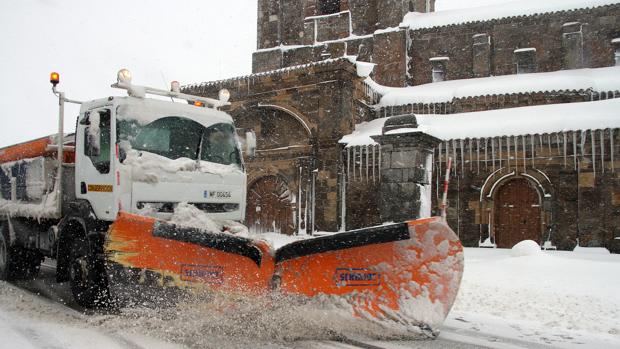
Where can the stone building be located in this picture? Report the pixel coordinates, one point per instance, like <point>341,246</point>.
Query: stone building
<point>340,149</point>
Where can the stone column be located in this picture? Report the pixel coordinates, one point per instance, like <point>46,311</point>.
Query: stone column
<point>406,170</point>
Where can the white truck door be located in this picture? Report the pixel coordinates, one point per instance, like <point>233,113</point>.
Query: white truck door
<point>94,173</point>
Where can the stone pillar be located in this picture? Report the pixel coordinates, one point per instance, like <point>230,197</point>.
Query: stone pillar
<point>406,170</point>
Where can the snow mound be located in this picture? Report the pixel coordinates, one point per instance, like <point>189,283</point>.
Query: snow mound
<point>525,248</point>
<point>591,250</point>
<point>189,216</point>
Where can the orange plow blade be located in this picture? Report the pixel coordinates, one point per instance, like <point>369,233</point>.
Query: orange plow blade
<point>406,273</point>
<point>145,254</point>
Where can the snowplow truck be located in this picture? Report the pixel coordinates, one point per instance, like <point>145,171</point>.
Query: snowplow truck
<point>100,201</point>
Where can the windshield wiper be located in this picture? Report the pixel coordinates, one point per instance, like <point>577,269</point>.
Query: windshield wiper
<point>199,150</point>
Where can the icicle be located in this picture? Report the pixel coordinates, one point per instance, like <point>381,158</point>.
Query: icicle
<point>367,163</point>
<point>499,150</point>
<point>549,142</point>
<point>354,160</point>
<point>374,164</point>
<point>486,155</point>
<point>493,152</point>
<point>542,145</point>
<point>456,159</point>
<point>447,154</point>
<point>348,162</point>
<point>584,138</point>
<point>478,155</point>
<point>523,140</point>
<point>602,133</point>
<point>593,136</point>
<point>516,153</point>
<point>471,158</point>
<point>380,161</point>
<point>611,141</point>
<point>575,149</point>
<point>564,147</point>
<point>361,164</point>
<point>508,142</point>
<point>557,142</point>
<point>462,157</point>
<point>439,150</point>
<point>533,138</point>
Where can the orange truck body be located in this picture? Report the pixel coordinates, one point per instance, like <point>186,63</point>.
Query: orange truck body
<point>33,149</point>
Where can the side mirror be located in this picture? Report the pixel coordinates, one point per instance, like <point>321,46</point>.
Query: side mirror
<point>250,143</point>
<point>93,134</point>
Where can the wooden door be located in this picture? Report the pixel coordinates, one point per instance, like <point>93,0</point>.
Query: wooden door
<point>517,214</point>
<point>269,207</point>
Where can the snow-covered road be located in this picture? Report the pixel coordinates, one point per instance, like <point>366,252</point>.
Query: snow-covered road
<point>554,299</point>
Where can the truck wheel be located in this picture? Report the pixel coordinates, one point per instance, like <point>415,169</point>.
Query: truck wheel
<point>87,276</point>
<point>5,268</point>
<point>25,263</point>
<point>16,262</point>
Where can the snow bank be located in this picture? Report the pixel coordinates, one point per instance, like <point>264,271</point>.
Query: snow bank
<point>591,250</point>
<point>558,298</point>
<point>525,248</point>
<point>415,20</point>
<point>598,79</point>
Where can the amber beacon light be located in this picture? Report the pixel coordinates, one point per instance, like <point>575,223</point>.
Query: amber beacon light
<point>54,78</point>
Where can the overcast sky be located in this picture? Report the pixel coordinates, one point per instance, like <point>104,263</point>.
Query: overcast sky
<point>88,41</point>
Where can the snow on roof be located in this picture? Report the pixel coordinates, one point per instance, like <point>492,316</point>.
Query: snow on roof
<point>503,122</point>
<point>415,20</point>
<point>598,79</point>
<point>350,59</point>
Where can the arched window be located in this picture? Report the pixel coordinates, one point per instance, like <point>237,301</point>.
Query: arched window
<point>327,7</point>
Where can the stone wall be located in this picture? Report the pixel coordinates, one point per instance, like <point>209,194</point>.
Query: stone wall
<point>349,32</point>
<point>563,40</point>
<point>579,192</point>
<point>299,115</point>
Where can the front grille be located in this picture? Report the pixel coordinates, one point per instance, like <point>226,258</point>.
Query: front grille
<point>168,207</point>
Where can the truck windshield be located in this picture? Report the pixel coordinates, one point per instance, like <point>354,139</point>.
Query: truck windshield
<point>176,137</point>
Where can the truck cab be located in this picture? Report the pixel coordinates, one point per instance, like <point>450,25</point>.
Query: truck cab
<point>144,155</point>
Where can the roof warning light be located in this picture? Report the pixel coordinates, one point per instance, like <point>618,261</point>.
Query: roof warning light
<point>54,78</point>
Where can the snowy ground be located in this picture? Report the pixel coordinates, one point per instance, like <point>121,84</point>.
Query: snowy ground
<point>555,298</point>
<point>551,299</point>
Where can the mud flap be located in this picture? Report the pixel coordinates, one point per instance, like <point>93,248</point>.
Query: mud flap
<point>407,273</point>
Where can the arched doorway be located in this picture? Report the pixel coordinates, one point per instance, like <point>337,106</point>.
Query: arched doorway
<point>517,213</point>
<point>269,207</point>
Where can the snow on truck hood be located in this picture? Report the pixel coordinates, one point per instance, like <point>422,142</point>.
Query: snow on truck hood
<point>145,111</point>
